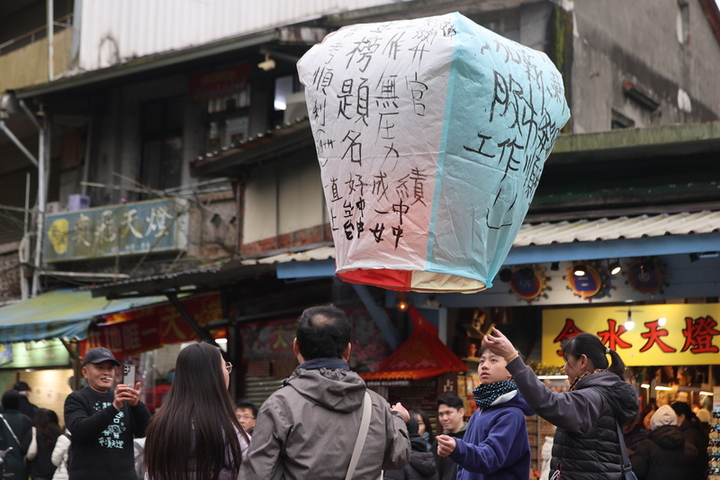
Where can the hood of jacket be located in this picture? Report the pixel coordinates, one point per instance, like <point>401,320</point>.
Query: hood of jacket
<point>618,393</point>
<point>418,443</point>
<point>423,462</point>
<point>516,401</point>
<point>668,436</point>
<point>338,390</point>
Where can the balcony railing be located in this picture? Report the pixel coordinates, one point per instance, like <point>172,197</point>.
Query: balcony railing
<point>34,35</point>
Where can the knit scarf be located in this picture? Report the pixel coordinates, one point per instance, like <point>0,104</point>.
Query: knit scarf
<point>485,395</point>
<point>577,379</point>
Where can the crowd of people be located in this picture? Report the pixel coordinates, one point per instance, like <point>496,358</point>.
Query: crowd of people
<point>323,423</point>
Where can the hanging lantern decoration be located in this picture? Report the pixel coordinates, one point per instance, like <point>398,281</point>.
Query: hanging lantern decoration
<point>647,275</point>
<point>529,283</point>
<point>431,136</point>
<point>589,283</point>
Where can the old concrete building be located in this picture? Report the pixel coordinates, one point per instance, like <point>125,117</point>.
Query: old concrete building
<point>198,111</point>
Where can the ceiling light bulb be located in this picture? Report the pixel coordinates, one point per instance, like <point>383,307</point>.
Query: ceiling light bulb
<point>579,270</point>
<point>615,268</point>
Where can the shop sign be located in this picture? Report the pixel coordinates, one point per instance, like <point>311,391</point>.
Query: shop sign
<point>47,353</point>
<point>129,229</point>
<point>685,334</point>
<point>136,331</point>
<point>5,353</point>
<point>220,83</point>
<point>268,340</point>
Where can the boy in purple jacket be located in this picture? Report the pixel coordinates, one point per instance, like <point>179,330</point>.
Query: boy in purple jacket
<point>495,446</point>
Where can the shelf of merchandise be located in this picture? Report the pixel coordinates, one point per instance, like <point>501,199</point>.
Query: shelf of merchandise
<point>714,443</point>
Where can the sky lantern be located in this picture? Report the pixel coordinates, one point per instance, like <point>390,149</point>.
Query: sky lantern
<point>431,135</point>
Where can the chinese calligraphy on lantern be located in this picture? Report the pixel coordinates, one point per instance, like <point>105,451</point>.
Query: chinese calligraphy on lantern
<point>431,135</point>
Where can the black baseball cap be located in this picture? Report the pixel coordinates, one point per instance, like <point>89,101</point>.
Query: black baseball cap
<point>22,387</point>
<point>99,355</point>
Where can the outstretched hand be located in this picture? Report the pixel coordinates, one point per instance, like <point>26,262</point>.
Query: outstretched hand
<point>446,445</point>
<point>500,345</point>
<point>401,410</point>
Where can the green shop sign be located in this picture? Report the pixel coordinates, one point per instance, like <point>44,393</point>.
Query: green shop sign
<point>129,229</point>
<point>48,353</point>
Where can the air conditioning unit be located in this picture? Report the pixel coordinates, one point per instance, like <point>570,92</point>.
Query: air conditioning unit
<point>53,207</point>
<point>296,108</point>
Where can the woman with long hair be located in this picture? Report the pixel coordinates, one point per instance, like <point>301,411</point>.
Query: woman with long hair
<point>586,443</point>
<point>424,426</point>
<point>195,434</point>
<point>46,434</point>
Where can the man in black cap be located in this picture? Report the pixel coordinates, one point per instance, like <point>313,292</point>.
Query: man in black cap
<point>103,421</point>
<point>26,408</point>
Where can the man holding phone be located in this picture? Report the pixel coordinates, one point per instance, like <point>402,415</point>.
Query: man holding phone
<point>103,421</point>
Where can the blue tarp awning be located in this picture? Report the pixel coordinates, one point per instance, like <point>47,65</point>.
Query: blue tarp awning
<point>62,313</point>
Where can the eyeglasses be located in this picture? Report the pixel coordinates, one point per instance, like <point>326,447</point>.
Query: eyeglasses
<point>228,367</point>
<point>245,416</point>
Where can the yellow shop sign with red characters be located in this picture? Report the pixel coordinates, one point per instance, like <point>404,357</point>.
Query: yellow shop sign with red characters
<point>680,334</point>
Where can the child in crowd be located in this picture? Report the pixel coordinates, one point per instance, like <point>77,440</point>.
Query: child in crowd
<point>495,445</point>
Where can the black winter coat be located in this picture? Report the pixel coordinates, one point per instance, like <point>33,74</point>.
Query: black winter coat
<point>421,466</point>
<point>695,436</point>
<point>586,444</point>
<point>664,455</point>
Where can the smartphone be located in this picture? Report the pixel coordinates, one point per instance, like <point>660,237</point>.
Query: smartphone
<point>129,375</point>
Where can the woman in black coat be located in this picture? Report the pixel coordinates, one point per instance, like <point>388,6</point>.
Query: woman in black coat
<point>47,433</point>
<point>664,455</point>
<point>694,434</point>
<point>422,463</point>
<point>13,429</point>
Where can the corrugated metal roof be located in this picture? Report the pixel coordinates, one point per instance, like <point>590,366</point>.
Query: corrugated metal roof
<point>577,231</point>
<point>618,228</point>
<point>565,232</point>
<point>322,253</point>
<point>113,32</point>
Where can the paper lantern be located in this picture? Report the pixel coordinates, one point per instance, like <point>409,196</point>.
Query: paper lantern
<point>431,136</point>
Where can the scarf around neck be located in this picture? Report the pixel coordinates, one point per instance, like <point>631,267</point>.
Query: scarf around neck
<point>577,379</point>
<point>485,395</point>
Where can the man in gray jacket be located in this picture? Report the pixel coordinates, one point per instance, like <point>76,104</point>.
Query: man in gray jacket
<point>308,427</point>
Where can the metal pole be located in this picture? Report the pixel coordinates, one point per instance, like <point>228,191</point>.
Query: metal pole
<point>43,156</point>
<point>201,333</point>
<point>23,280</point>
<point>50,34</point>
<point>17,143</point>
<point>86,164</point>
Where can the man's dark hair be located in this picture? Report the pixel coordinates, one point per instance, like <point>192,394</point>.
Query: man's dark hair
<point>11,400</point>
<point>249,405</point>
<point>451,400</point>
<point>323,332</point>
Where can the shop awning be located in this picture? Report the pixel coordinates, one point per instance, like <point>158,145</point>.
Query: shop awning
<point>62,313</point>
<point>627,236</point>
<point>422,355</point>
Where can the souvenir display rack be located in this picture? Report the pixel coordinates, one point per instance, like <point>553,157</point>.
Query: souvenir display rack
<point>714,443</point>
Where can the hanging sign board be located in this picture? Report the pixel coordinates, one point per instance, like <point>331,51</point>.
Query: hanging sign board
<point>685,334</point>
<point>129,229</point>
<point>431,136</point>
